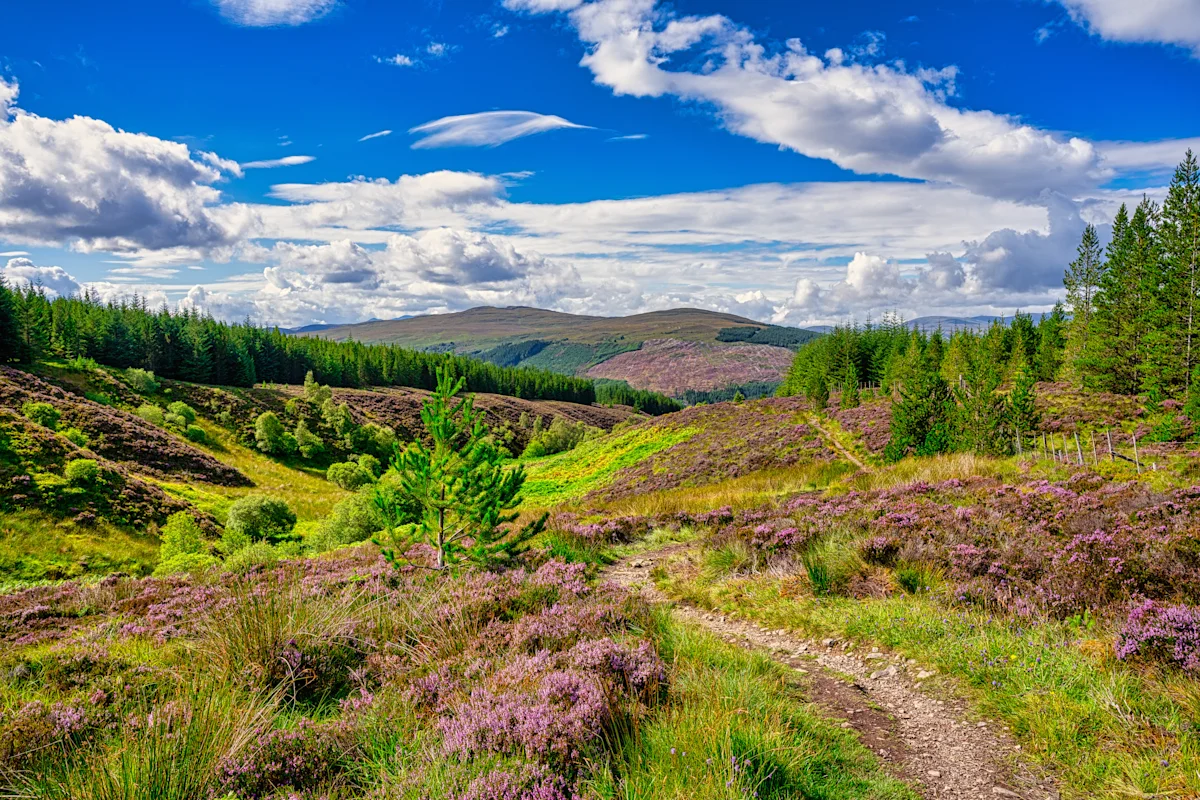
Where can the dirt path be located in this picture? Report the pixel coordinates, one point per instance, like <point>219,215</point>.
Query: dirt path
<point>933,743</point>
<point>832,441</point>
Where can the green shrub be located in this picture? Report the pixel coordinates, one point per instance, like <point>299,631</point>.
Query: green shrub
<point>189,563</point>
<point>1167,430</point>
<point>195,433</point>
<point>43,414</point>
<point>270,435</point>
<point>832,564</point>
<point>76,437</point>
<point>184,411</point>
<point>81,472</point>
<point>308,443</point>
<point>371,464</point>
<point>259,554</point>
<point>560,437</point>
<point>141,381</point>
<point>233,541</point>
<point>348,475</point>
<point>82,364</point>
<point>352,520</point>
<point>180,536</point>
<point>261,518</point>
<point>152,414</point>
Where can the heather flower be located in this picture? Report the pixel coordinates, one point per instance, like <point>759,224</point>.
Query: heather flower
<point>1169,633</point>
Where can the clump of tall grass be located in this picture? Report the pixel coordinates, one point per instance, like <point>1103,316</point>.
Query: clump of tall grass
<point>832,563</point>
<point>169,752</point>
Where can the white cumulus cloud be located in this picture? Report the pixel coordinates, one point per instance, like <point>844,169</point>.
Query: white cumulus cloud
<point>866,117</point>
<point>55,280</point>
<point>1173,22</point>
<point>85,183</point>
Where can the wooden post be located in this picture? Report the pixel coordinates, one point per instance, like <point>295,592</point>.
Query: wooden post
<point>1066,451</point>
<point>1108,433</point>
<point>1095,457</point>
<point>1078,449</point>
<point>1137,461</point>
<point>1045,452</point>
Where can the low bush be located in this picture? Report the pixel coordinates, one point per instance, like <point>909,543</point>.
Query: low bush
<point>195,564</point>
<point>43,414</point>
<point>152,414</point>
<point>141,381</point>
<point>349,475</point>
<point>183,411</point>
<point>180,536</point>
<point>353,520</point>
<point>195,433</point>
<point>76,437</point>
<point>82,472</point>
<point>261,519</point>
<point>258,554</point>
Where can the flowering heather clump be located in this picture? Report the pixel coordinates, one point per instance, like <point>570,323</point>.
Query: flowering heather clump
<point>870,422</point>
<point>307,756</point>
<point>532,782</point>
<point>612,530</point>
<point>1168,633</point>
<point>558,721</point>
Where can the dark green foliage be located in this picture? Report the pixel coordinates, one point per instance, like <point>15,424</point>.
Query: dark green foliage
<point>510,354</point>
<point>261,518</point>
<point>620,393</point>
<point>816,390</point>
<point>195,433</point>
<point>187,346</point>
<point>749,391</point>
<point>923,419</point>
<point>775,335</point>
<point>43,414</point>
<point>182,412</point>
<point>1023,404</point>
<point>850,396</point>
<point>459,483</point>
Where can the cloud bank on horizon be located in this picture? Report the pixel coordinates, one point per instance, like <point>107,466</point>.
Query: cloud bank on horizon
<point>910,198</point>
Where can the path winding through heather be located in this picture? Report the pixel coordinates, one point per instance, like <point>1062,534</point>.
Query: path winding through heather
<point>932,743</point>
<point>832,441</point>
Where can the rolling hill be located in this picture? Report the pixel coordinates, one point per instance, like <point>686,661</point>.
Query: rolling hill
<point>709,350</point>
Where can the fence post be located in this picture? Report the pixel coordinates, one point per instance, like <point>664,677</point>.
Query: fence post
<point>1108,433</point>
<point>1095,457</point>
<point>1045,452</point>
<point>1078,449</point>
<point>1137,461</point>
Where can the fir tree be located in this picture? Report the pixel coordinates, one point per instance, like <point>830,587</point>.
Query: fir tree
<point>460,484</point>
<point>10,331</point>
<point>923,418</point>
<point>1180,233</point>
<point>1082,281</point>
<point>1022,403</point>
<point>850,396</point>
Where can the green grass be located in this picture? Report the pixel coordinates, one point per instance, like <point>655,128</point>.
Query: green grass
<point>737,725</point>
<point>303,488</point>
<point>594,464</point>
<point>35,546</point>
<point>1107,730</point>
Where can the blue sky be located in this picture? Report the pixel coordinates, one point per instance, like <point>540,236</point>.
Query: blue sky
<point>796,163</point>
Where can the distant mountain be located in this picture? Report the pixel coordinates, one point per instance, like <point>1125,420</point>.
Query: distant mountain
<point>324,326</point>
<point>575,343</point>
<point>948,324</point>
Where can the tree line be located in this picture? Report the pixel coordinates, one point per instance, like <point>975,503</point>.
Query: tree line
<point>1135,303</point>
<point>191,347</point>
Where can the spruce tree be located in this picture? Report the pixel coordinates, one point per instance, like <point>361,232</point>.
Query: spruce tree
<point>850,396</point>
<point>1022,403</point>
<point>1118,309</point>
<point>10,331</point>
<point>1180,233</point>
<point>1082,280</point>
<point>465,494</point>
<point>923,418</point>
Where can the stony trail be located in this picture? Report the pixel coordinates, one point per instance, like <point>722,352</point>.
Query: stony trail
<point>932,743</point>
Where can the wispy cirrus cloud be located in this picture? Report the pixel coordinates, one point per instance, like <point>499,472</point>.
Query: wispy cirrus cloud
<point>270,13</point>
<point>272,163</point>
<point>488,128</point>
<point>375,135</point>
